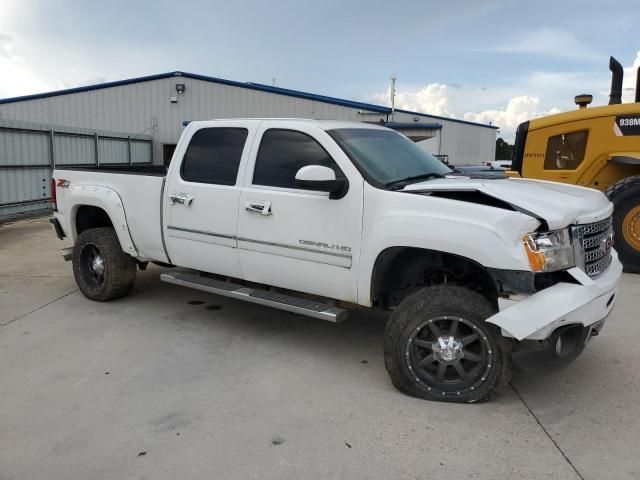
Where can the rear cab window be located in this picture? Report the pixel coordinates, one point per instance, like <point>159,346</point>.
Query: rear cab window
<point>283,152</point>
<point>213,156</point>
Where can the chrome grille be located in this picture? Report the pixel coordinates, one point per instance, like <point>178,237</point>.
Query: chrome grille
<point>593,242</point>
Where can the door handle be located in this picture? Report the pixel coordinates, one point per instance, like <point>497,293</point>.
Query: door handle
<point>263,208</point>
<point>181,198</point>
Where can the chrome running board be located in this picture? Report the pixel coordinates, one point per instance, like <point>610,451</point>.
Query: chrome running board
<point>301,306</point>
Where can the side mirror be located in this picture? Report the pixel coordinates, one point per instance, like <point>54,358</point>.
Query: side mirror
<point>322,179</point>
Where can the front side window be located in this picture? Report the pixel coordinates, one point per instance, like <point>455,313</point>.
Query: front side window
<point>283,152</point>
<point>386,157</point>
<point>213,156</point>
<point>566,151</point>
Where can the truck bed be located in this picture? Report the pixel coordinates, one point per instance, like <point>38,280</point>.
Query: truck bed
<point>139,191</point>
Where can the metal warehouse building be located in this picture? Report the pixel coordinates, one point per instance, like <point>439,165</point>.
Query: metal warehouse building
<point>140,120</point>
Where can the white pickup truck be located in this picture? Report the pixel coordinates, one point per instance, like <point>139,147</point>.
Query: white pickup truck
<point>317,217</point>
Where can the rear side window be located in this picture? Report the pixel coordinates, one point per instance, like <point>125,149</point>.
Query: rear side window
<point>566,151</point>
<point>213,156</point>
<point>283,152</point>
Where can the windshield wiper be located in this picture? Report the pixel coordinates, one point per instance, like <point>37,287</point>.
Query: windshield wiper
<point>403,182</point>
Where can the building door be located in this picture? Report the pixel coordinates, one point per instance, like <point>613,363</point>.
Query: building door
<point>167,153</point>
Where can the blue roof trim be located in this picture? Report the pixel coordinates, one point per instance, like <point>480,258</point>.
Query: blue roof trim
<point>248,85</point>
<point>89,88</point>
<point>413,126</point>
<point>448,119</point>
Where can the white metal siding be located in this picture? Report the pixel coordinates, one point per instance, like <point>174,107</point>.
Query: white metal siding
<point>24,148</point>
<point>140,151</point>
<point>26,158</point>
<point>145,108</point>
<point>75,149</point>
<point>464,143</point>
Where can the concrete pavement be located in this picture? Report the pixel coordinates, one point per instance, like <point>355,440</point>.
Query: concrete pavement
<point>173,383</point>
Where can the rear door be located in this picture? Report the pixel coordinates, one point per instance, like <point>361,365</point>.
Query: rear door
<point>202,196</point>
<point>295,238</point>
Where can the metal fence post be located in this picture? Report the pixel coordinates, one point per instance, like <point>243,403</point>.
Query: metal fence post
<point>52,159</point>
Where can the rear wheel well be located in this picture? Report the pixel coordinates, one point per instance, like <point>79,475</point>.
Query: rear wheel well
<point>400,271</point>
<point>89,216</point>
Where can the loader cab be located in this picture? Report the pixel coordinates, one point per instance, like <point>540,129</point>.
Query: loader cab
<point>597,147</point>
<point>593,147</point>
<point>584,147</point>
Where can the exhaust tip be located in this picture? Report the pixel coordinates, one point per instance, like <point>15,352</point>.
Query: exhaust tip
<point>638,86</point>
<point>567,340</point>
<point>615,96</point>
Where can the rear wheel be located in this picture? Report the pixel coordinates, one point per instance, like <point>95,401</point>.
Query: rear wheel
<point>625,196</point>
<point>439,347</point>
<point>102,270</point>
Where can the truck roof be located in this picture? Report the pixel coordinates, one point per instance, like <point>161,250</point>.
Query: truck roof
<point>323,124</point>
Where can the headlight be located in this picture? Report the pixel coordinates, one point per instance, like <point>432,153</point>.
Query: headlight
<point>549,251</point>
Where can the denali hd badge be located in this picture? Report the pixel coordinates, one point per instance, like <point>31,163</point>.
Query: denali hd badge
<point>627,125</point>
<point>341,248</point>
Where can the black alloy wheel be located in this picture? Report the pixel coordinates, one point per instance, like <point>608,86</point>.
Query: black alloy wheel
<point>449,355</point>
<point>92,265</point>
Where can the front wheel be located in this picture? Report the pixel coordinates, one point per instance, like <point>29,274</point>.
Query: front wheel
<point>439,347</point>
<point>102,270</point>
<point>625,196</point>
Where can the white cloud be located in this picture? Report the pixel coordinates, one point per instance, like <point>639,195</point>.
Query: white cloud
<point>518,110</point>
<point>433,98</point>
<point>17,77</point>
<point>553,43</point>
<point>508,110</point>
<point>6,48</point>
<point>89,80</point>
<point>629,83</point>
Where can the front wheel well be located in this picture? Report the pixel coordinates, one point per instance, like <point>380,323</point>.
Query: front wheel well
<point>89,216</point>
<point>400,271</point>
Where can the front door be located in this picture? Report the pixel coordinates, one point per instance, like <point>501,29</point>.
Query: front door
<point>294,238</point>
<point>202,197</point>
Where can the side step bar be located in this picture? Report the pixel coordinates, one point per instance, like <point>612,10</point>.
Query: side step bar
<point>297,305</point>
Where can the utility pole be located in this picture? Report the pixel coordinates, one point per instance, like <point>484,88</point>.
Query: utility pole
<point>393,96</point>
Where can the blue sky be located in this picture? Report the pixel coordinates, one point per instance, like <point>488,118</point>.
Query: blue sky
<point>498,61</point>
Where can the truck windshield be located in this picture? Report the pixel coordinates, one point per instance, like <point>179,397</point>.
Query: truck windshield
<point>387,158</point>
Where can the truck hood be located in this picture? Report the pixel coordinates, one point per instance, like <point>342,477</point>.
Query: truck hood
<point>558,204</point>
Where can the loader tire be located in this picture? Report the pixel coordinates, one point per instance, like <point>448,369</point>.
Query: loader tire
<point>437,346</point>
<point>625,196</point>
<point>102,270</point>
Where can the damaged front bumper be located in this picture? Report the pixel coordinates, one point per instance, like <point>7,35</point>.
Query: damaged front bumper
<point>538,316</point>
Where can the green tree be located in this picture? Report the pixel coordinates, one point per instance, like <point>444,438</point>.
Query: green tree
<point>504,150</point>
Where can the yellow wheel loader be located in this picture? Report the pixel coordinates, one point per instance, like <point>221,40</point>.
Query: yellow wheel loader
<point>597,147</point>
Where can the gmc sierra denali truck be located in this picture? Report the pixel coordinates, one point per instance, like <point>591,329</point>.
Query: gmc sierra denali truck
<point>317,217</point>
